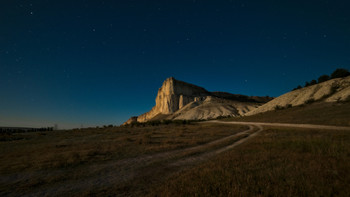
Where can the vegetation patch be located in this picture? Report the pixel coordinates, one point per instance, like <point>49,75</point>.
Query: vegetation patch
<point>338,73</point>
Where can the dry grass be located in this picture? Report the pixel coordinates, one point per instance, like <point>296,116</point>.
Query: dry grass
<point>65,155</point>
<point>317,113</point>
<point>280,162</point>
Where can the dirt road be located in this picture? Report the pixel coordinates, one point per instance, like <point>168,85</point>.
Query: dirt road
<point>305,126</point>
<point>154,167</point>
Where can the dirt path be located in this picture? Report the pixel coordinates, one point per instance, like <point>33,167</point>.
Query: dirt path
<point>118,172</point>
<point>306,126</point>
<point>155,166</point>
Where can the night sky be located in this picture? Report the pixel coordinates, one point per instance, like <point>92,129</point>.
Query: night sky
<point>88,63</point>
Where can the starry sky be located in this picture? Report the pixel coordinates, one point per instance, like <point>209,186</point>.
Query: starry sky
<point>91,63</point>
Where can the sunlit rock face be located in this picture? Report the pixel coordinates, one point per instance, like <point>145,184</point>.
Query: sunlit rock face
<point>172,96</point>
<point>131,120</point>
<point>180,100</point>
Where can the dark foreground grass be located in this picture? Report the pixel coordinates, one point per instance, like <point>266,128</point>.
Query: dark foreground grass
<point>279,162</point>
<point>49,158</point>
<point>62,149</point>
<point>317,113</point>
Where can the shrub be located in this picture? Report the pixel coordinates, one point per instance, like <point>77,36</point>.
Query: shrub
<point>347,99</point>
<point>289,106</point>
<point>334,88</point>
<point>278,107</point>
<point>339,73</point>
<point>307,84</point>
<point>310,101</point>
<point>299,87</point>
<point>166,122</point>
<point>323,78</point>
<point>313,82</point>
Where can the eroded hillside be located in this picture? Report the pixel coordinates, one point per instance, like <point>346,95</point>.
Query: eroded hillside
<point>334,90</point>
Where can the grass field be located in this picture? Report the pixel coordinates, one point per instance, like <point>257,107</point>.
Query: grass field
<point>31,161</point>
<point>280,162</point>
<point>317,113</point>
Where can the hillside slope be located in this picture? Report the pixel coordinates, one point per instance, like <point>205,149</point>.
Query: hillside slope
<point>330,91</point>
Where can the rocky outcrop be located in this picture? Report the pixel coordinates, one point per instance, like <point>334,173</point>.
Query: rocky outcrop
<point>213,107</point>
<point>180,100</point>
<point>330,91</point>
<point>172,96</point>
<point>131,120</point>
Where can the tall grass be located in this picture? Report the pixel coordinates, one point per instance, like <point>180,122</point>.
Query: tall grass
<point>280,162</point>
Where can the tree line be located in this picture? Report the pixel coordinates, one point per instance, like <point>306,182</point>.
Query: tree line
<point>338,73</point>
<point>21,130</point>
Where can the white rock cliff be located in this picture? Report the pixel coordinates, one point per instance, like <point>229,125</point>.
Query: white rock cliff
<point>180,100</point>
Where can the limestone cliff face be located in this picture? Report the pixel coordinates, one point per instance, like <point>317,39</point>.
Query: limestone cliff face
<point>180,100</point>
<point>172,96</point>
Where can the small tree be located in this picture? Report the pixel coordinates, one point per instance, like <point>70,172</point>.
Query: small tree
<point>313,82</point>
<point>323,78</point>
<point>307,84</point>
<point>299,87</point>
<point>339,73</point>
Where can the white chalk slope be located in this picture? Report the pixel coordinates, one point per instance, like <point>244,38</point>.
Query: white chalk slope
<point>330,91</point>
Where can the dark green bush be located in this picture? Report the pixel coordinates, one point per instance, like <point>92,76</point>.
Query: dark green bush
<point>339,73</point>
<point>299,87</point>
<point>313,82</point>
<point>323,78</point>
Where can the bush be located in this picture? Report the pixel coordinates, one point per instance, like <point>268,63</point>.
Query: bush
<point>278,107</point>
<point>299,87</point>
<point>307,84</point>
<point>339,73</point>
<point>347,99</point>
<point>323,78</point>
<point>310,101</point>
<point>166,122</point>
<point>313,82</point>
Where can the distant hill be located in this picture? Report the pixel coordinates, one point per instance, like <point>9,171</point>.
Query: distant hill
<point>333,90</point>
<point>180,100</point>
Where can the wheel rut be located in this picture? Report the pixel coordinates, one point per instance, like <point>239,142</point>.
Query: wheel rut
<point>119,172</point>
